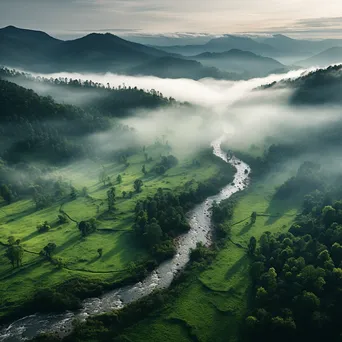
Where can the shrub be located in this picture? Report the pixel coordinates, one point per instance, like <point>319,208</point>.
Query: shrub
<point>44,227</point>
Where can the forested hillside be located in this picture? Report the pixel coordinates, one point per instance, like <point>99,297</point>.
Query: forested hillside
<point>40,126</point>
<point>297,275</point>
<point>319,87</point>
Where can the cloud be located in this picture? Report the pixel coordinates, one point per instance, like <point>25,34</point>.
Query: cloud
<point>330,27</point>
<point>162,16</point>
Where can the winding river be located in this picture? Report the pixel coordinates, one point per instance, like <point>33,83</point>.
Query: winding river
<point>200,223</point>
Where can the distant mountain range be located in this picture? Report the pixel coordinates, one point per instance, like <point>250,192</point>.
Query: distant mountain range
<point>325,58</point>
<point>306,47</point>
<point>278,46</point>
<point>94,52</point>
<point>171,67</point>
<point>228,57</point>
<point>223,44</point>
<point>239,61</point>
<point>37,51</point>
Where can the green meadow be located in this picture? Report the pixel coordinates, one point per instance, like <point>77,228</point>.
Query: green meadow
<point>79,254</point>
<point>212,305</point>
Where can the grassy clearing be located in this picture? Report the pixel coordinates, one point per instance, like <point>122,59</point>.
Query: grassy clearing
<point>119,248</point>
<point>212,306</point>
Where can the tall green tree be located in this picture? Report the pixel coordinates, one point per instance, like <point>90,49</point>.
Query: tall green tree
<point>111,198</point>
<point>6,193</point>
<point>138,183</point>
<point>14,252</point>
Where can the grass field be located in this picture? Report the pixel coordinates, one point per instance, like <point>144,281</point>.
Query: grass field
<point>212,306</point>
<point>119,248</point>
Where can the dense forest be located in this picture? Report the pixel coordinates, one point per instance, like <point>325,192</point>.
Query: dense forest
<point>297,276</point>
<point>37,128</point>
<point>317,87</point>
<point>107,100</point>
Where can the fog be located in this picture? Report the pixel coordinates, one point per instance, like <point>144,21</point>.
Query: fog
<point>252,118</point>
<point>248,116</point>
<point>205,92</point>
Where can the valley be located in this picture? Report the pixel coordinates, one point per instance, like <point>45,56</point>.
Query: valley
<point>169,186</point>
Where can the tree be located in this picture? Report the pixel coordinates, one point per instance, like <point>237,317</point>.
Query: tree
<point>6,193</point>
<point>160,169</point>
<point>84,191</point>
<point>253,217</point>
<point>143,169</point>
<point>308,302</point>
<point>48,250</point>
<point>40,199</point>
<point>124,193</point>
<point>119,179</point>
<point>73,193</point>
<point>329,214</point>
<point>100,252</point>
<point>111,198</point>
<point>87,227</point>
<point>14,252</point>
<point>11,240</point>
<point>153,233</point>
<point>252,245</point>
<point>251,322</point>
<point>103,177</point>
<point>62,219</point>
<point>271,279</point>
<point>130,194</point>
<point>138,183</point>
<point>261,294</point>
<point>43,227</point>
<point>336,253</point>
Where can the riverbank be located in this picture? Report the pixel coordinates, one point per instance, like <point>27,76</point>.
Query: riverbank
<point>213,304</point>
<point>161,278</point>
<point>121,251</point>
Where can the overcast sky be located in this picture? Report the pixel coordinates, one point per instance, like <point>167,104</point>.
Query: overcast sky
<point>307,18</point>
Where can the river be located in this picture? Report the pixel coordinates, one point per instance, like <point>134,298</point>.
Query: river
<point>200,231</point>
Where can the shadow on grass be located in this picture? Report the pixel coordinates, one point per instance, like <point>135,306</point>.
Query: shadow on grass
<point>47,275</point>
<point>236,267</point>
<point>17,216</point>
<point>26,268</point>
<point>68,243</point>
<point>30,236</point>
<point>95,258</point>
<point>125,247</point>
<point>279,207</point>
<point>150,177</point>
<point>246,228</point>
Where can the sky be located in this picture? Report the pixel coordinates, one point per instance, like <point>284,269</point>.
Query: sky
<point>73,18</point>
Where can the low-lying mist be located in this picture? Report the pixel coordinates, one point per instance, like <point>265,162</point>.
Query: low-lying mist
<point>252,117</point>
<point>248,116</point>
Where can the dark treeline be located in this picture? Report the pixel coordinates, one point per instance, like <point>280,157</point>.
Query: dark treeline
<point>110,101</point>
<point>315,88</point>
<point>49,130</point>
<point>297,276</point>
<point>37,125</point>
<point>159,219</point>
